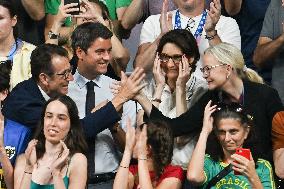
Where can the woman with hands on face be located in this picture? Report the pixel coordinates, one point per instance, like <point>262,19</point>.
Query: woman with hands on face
<point>51,159</point>
<point>174,88</point>
<point>232,128</point>
<point>151,144</point>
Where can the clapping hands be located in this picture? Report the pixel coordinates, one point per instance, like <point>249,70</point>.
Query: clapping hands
<point>61,161</point>
<point>166,18</point>
<point>30,153</point>
<point>137,140</point>
<point>213,16</point>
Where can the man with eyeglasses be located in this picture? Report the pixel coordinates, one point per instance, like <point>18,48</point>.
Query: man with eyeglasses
<point>51,74</point>
<point>207,26</point>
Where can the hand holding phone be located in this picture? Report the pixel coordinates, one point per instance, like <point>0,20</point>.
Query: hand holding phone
<point>73,1</point>
<point>242,152</point>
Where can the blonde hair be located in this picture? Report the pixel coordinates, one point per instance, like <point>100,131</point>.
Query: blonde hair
<point>229,54</point>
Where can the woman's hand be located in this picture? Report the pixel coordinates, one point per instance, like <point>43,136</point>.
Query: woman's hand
<point>90,13</point>
<point>30,153</point>
<point>183,73</point>
<point>61,161</point>
<point>159,74</point>
<point>213,16</point>
<point>130,137</point>
<point>244,166</point>
<point>64,11</point>
<point>142,143</point>
<point>208,119</point>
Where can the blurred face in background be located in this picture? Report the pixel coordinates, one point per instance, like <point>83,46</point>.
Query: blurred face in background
<point>6,23</point>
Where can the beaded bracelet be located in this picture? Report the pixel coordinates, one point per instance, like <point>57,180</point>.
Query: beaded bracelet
<point>28,172</point>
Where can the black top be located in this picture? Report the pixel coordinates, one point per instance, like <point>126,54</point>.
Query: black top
<point>260,101</point>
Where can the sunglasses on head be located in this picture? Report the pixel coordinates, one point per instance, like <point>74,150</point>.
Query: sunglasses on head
<point>234,107</point>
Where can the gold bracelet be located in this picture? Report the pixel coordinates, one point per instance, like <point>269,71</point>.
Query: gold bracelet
<point>125,167</point>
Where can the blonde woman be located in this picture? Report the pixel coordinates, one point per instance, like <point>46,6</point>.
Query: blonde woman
<point>228,81</point>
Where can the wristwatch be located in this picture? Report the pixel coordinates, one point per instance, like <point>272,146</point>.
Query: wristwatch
<point>210,37</point>
<point>52,35</point>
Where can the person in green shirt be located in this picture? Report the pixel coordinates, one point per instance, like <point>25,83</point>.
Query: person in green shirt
<point>233,129</point>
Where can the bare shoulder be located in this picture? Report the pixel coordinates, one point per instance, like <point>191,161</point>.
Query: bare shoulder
<point>170,183</point>
<point>78,158</point>
<point>78,162</point>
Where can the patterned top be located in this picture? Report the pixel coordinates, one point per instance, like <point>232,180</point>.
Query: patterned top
<point>212,168</point>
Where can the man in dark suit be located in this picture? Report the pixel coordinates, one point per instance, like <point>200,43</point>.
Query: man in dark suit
<point>51,73</point>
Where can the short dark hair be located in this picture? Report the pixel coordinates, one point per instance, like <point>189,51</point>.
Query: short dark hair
<point>5,71</point>
<point>75,140</point>
<point>85,34</point>
<point>184,40</point>
<point>41,59</point>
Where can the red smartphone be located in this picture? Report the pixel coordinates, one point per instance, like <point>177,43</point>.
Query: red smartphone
<point>242,152</point>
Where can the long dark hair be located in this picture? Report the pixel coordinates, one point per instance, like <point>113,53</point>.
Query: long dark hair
<point>232,111</point>
<point>75,140</point>
<point>160,139</point>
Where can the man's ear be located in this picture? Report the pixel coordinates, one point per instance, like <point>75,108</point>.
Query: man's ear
<point>44,79</point>
<point>4,94</point>
<point>79,53</point>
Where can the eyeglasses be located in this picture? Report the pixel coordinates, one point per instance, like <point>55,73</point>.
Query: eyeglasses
<point>66,73</point>
<point>206,69</point>
<point>166,58</point>
<point>190,24</point>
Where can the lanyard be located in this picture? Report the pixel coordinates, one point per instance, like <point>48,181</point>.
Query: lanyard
<point>199,29</point>
<point>13,49</point>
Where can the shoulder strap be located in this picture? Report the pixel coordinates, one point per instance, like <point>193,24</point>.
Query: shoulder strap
<point>68,163</point>
<point>219,176</point>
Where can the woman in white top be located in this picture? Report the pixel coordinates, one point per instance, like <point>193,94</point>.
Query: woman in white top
<point>174,88</point>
